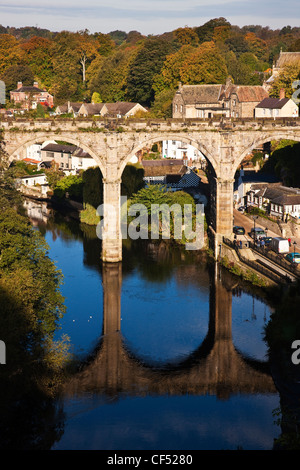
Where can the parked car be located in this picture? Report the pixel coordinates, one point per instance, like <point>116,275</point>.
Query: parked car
<point>279,245</point>
<point>258,232</point>
<point>293,257</point>
<point>242,208</point>
<point>238,230</point>
<point>267,240</point>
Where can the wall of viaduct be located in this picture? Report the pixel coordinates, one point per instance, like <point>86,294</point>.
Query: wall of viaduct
<point>225,143</point>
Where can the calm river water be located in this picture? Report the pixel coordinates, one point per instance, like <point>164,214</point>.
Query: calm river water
<point>175,349</point>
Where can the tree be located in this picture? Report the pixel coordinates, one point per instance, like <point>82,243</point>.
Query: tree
<point>256,45</point>
<point>206,32</point>
<point>38,55</point>
<point>96,98</point>
<point>147,63</point>
<point>170,74</point>
<point>204,65</point>
<point>162,106</point>
<point>67,81</point>
<point>10,52</point>
<point>287,76</point>
<point>237,44</point>
<point>132,179</point>
<point>186,36</point>
<point>110,80</point>
<point>15,74</point>
<point>88,49</point>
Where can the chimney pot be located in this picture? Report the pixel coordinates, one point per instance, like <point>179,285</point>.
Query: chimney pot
<point>19,85</point>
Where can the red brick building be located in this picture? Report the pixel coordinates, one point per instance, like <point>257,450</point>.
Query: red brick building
<point>30,96</point>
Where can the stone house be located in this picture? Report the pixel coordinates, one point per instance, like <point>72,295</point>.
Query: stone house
<point>30,96</point>
<point>284,59</point>
<point>207,101</point>
<point>277,107</point>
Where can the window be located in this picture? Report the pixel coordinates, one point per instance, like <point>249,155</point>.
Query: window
<point>181,108</point>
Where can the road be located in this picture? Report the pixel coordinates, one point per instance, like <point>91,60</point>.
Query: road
<point>244,221</point>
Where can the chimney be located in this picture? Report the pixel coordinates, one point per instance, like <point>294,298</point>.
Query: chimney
<point>281,94</point>
<point>19,85</point>
<point>36,84</point>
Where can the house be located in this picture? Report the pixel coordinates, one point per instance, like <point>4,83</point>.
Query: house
<point>36,184</point>
<point>117,110</point>
<point>34,151</point>
<point>91,109</point>
<point>123,109</point>
<point>198,101</point>
<point>277,107</point>
<point>181,151</point>
<point>241,100</point>
<point>30,96</point>
<point>284,59</point>
<point>248,180</point>
<point>155,171</point>
<point>278,200</point>
<point>60,154</point>
<point>207,101</point>
<point>68,158</point>
<point>81,160</point>
<point>68,108</point>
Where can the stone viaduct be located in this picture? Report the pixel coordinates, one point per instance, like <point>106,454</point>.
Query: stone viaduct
<point>224,143</point>
<point>216,367</point>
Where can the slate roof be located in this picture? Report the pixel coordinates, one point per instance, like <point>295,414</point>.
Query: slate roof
<point>245,93</point>
<point>163,167</point>
<point>272,103</point>
<point>192,94</point>
<point>60,148</point>
<point>93,108</point>
<point>278,194</point>
<point>288,58</point>
<point>28,89</point>
<point>121,107</point>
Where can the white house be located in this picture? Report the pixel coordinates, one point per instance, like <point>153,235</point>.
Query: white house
<point>276,108</point>
<point>181,151</point>
<point>34,151</point>
<point>81,160</point>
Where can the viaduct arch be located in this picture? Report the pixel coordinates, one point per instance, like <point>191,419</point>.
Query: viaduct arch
<point>224,143</point>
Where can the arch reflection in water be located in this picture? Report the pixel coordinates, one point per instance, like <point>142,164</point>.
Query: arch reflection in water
<point>215,368</point>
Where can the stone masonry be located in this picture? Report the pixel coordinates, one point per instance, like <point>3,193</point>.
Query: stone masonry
<point>224,142</point>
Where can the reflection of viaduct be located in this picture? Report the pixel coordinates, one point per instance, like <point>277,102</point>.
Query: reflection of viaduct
<point>214,368</point>
<point>224,143</point>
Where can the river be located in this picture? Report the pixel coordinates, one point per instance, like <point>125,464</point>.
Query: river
<point>173,348</point>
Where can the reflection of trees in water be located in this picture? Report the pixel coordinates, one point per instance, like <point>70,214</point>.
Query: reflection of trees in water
<point>30,419</point>
<point>282,329</point>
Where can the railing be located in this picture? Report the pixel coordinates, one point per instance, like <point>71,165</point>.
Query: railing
<point>277,259</point>
<point>267,272</point>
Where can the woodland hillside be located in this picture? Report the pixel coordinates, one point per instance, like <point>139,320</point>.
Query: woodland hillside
<point>122,66</point>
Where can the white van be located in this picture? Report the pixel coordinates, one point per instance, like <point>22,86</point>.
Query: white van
<point>279,245</point>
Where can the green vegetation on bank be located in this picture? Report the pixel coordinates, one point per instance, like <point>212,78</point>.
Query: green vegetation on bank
<point>30,297</point>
